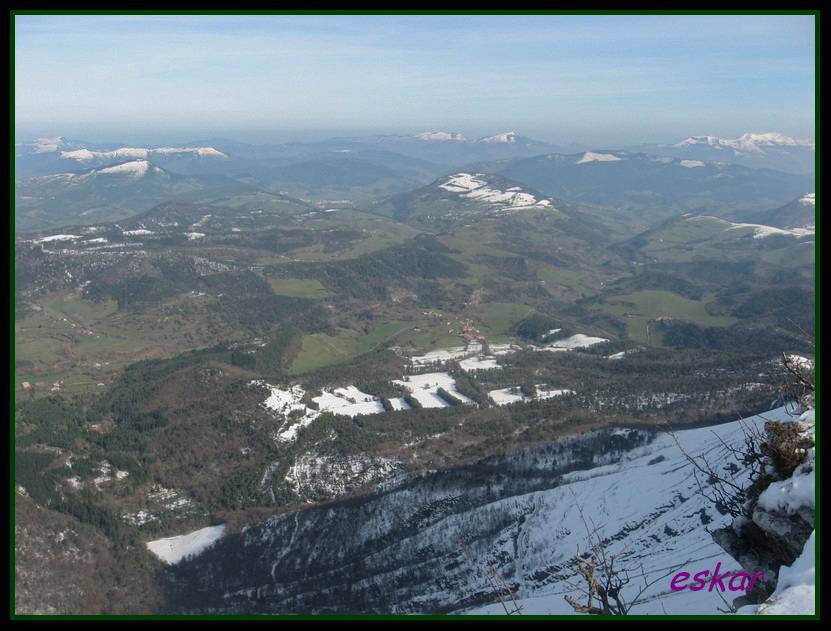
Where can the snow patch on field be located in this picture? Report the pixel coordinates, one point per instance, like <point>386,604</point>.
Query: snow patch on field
<point>194,235</point>
<point>503,349</point>
<point>57,237</point>
<point>692,164</point>
<point>171,550</point>
<point>506,396</point>
<point>424,389</point>
<point>399,404</point>
<point>482,362</point>
<point>139,232</point>
<point>579,340</point>
<point>548,394</point>
<point>443,355</point>
<point>348,401</point>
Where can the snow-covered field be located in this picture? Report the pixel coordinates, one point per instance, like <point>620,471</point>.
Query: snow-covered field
<point>579,340</point>
<point>481,362</point>
<point>348,401</point>
<point>174,549</point>
<point>424,388</point>
<point>506,396</point>
<point>138,232</point>
<point>442,355</point>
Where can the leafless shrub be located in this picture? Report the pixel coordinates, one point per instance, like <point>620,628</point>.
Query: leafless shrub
<point>501,589</point>
<point>607,574</point>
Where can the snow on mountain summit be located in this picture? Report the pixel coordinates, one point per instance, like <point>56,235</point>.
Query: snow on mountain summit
<point>504,137</point>
<point>750,142</point>
<point>441,136</point>
<point>85,155</point>
<point>591,156</point>
<point>135,169</point>
<point>809,199</point>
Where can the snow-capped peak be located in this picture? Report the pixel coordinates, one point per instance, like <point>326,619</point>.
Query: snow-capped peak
<point>135,169</point>
<point>591,156</point>
<point>504,137</point>
<point>47,145</point>
<point>808,199</point>
<point>441,136</point>
<point>85,155</point>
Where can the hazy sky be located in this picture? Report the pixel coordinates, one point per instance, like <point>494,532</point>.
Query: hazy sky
<point>607,80</point>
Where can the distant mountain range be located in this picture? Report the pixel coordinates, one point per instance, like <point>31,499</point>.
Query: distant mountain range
<point>60,180</point>
<point>658,185</point>
<point>770,150</point>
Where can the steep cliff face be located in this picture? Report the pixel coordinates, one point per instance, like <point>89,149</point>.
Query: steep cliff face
<point>778,537</point>
<point>431,544</point>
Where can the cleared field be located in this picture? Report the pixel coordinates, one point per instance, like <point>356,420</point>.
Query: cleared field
<point>639,308</point>
<point>85,342</point>
<point>495,319</point>
<point>299,288</point>
<point>320,349</point>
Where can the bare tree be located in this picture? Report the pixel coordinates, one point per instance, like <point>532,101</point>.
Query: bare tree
<point>719,485</point>
<point>501,589</point>
<point>612,584</point>
<point>778,444</point>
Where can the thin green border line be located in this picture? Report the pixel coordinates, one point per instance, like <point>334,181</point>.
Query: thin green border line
<point>436,12</point>
<point>342,12</point>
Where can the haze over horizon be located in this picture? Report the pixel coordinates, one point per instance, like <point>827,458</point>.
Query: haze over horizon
<point>593,80</point>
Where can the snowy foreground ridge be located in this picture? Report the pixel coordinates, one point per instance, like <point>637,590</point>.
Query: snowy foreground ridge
<point>652,497</point>
<point>420,545</point>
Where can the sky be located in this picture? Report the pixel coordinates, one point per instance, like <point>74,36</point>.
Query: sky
<point>600,80</point>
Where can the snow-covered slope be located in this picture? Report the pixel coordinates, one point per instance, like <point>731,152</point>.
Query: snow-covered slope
<point>476,187</point>
<point>174,549</point>
<point>421,545</point>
